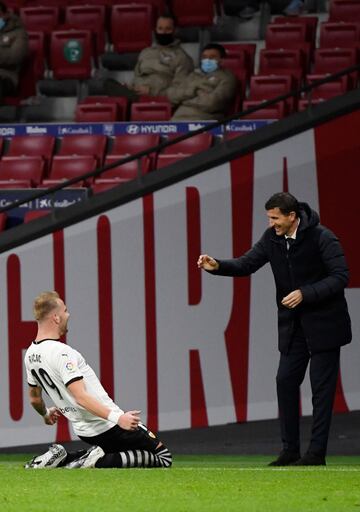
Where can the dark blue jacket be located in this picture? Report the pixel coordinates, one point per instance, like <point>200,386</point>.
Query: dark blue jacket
<point>316,265</point>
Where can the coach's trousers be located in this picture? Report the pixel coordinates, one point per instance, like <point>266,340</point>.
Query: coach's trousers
<point>324,367</point>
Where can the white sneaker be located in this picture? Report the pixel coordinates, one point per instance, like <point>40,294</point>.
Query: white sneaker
<point>88,460</point>
<point>50,459</point>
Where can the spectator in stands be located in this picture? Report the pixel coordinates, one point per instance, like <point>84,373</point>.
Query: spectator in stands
<point>13,49</point>
<point>206,93</point>
<point>158,67</point>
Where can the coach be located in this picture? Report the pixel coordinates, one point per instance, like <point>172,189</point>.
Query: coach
<point>310,274</point>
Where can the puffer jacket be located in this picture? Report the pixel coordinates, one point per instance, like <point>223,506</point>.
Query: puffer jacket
<point>159,67</point>
<point>316,265</point>
<point>13,48</point>
<point>202,96</point>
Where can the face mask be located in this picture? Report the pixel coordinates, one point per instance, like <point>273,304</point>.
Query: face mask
<point>209,65</point>
<point>2,23</point>
<point>164,39</point>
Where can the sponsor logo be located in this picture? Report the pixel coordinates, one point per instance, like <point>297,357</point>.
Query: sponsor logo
<point>69,366</point>
<point>75,130</point>
<point>108,129</point>
<point>64,410</point>
<point>36,130</point>
<point>159,128</point>
<point>6,131</point>
<point>133,129</point>
<point>192,127</point>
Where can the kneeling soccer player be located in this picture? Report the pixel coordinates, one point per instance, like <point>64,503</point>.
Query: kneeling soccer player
<point>118,439</point>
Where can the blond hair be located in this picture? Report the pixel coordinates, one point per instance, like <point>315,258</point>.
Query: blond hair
<point>44,304</point>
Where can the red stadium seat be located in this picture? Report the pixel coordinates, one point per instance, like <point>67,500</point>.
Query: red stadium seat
<point>339,35</point>
<point>158,6</point>
<point>310,23</point>
<point>344,10</point>
<point>96,113</point>
<point>124,145</point>
<point>71,54</point>
<point>331,60</point>
<point>93,145</point>
<point>121,102</point>
<point>276,111</point>
<point>37,49</point>
<point>131,27</point>
<point>128,171</point>
<point>234,50</point>
<point>32,145</point>
<point>238,66</point>
<point>193,12</point>
<point>92,17</point>
<point>150,111</point>
<point>40,18</point>
<point>282,62</point>
<point>195,144</point>
<point>285,35</point>
<point>131,144</point>
<point>328,89</point>
<point>268,86</point>
<point>67,167</point>
<point>22,168</point>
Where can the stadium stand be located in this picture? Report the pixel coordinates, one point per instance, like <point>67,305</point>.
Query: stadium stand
<point>68,41</point>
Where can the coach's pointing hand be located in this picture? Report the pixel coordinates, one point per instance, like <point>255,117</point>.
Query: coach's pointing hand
<point>129,420</point>
<point>207,262</point>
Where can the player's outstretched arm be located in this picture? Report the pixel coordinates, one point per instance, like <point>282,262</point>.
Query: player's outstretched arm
<point>206,262</point>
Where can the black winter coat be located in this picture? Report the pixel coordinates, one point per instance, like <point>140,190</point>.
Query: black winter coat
<point>316,265</point>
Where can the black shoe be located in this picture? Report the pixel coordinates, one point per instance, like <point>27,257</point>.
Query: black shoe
<point>310,459</point>
<point>286,459</point>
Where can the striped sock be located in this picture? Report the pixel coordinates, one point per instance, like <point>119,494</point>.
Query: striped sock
<point>164,455</point>
<point>145,459</point>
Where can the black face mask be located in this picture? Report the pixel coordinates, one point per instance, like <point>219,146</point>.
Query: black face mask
<point>164,39</point>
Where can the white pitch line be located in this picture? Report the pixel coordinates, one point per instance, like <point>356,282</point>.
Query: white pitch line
<point>312,468</point>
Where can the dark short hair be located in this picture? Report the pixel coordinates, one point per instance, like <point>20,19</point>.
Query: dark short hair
<point>285,202</point>
<point>167,16</point>
<point>3,8</point>
<point>215,46</point>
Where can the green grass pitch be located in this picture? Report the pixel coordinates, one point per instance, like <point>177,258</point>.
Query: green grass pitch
<point>194,483</point>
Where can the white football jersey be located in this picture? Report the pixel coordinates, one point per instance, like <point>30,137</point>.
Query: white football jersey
<point>53,366</point>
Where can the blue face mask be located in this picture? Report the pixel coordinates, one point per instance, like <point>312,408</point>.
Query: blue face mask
<point>209,65</point>
<point>2,23</point>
